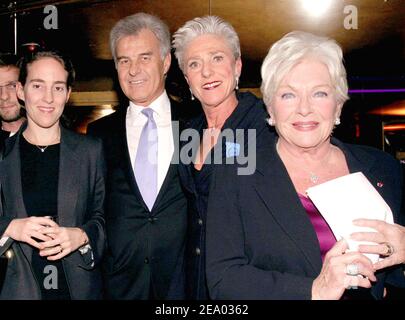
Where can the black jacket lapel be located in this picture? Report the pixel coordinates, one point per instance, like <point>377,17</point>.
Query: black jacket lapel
<point>191,145</point>
<point>274,187</point>
<point>11,171</point>
<point>177,127</point>
<point>359,162</point>
<point>124,160</point>
<point>69,172</point>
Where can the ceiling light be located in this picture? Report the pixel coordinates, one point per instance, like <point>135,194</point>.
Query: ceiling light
<point>316,8</point>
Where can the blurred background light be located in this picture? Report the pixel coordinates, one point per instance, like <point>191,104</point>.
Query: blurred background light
<point>316,8</point>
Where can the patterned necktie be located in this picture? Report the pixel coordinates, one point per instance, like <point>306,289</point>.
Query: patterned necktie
<point>146,160</point>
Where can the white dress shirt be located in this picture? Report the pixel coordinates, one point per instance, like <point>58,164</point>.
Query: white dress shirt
<point>136,120</point>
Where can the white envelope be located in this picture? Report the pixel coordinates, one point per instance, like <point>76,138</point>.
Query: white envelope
<point>342,200</point>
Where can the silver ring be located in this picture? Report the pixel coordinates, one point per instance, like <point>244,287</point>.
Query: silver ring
<point>352,269</point>
<point>352,287</point>
<point>390,249</point>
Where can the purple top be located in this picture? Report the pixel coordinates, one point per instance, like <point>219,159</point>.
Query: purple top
<point>325,236</point>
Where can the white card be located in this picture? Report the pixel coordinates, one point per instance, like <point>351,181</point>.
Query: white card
<point>342,200</point>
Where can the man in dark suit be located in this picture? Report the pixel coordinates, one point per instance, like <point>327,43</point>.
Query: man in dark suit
<point>146,208</point>
<point>11,119</point>
<point>10,116</point>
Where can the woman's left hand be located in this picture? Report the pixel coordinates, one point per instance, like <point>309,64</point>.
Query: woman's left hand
<point>64,241</point>
<point>389,239</point>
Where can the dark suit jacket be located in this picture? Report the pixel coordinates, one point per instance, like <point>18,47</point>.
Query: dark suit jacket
<point>145,248</point>
<point>4,135</point>
<point>81,192</point>
<point>249,114</point>
<point>260,241</point>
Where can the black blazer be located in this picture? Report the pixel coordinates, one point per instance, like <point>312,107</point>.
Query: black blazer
<point>250,114</point>
<point>4,135</point>
<point>81,191</point>
<point>145,248</point>
<point>260,241</point>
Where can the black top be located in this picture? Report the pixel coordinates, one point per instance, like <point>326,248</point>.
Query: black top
<point>249,114</point>
<point>39,178</point>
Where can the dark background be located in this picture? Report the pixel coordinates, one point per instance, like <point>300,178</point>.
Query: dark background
<point>374,52</point>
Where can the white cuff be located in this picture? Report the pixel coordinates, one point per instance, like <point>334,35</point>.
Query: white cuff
<point>3,241</point>
<point>84,249</point>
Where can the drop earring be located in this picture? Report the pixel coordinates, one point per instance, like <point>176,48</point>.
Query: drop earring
<point>237,83</point>
<point>192,96</point>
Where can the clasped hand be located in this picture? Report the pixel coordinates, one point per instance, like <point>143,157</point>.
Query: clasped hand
<point>53,241</point>
<point>63,241</point>
<point>342,270</point>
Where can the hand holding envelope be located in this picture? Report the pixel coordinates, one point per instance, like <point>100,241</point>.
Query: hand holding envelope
<point>347,198</point>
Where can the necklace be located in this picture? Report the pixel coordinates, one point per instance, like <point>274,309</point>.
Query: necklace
<point>313,177</point>
<point>42,148</point>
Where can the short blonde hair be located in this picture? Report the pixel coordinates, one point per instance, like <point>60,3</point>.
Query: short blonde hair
<point>292,49</point>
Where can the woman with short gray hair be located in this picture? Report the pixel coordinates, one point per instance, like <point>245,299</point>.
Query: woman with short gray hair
<point>201,26</point>
<point>208,52</point>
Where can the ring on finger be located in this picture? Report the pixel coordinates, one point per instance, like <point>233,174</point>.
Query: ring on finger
<point>390,249</point>
<point>352,287</point>
<point>352,269</point>
<point>351,279</point>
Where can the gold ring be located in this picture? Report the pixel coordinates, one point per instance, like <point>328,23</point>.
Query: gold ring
<point>390,249</point>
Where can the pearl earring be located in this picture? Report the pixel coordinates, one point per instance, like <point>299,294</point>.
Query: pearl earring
<point>337,121</point>
<point>237,83</point>
<point>271,121</point>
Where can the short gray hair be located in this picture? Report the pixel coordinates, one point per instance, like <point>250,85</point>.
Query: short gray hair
<point>295,47</point>
<point>132,25</point>
<point>204,25</point>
